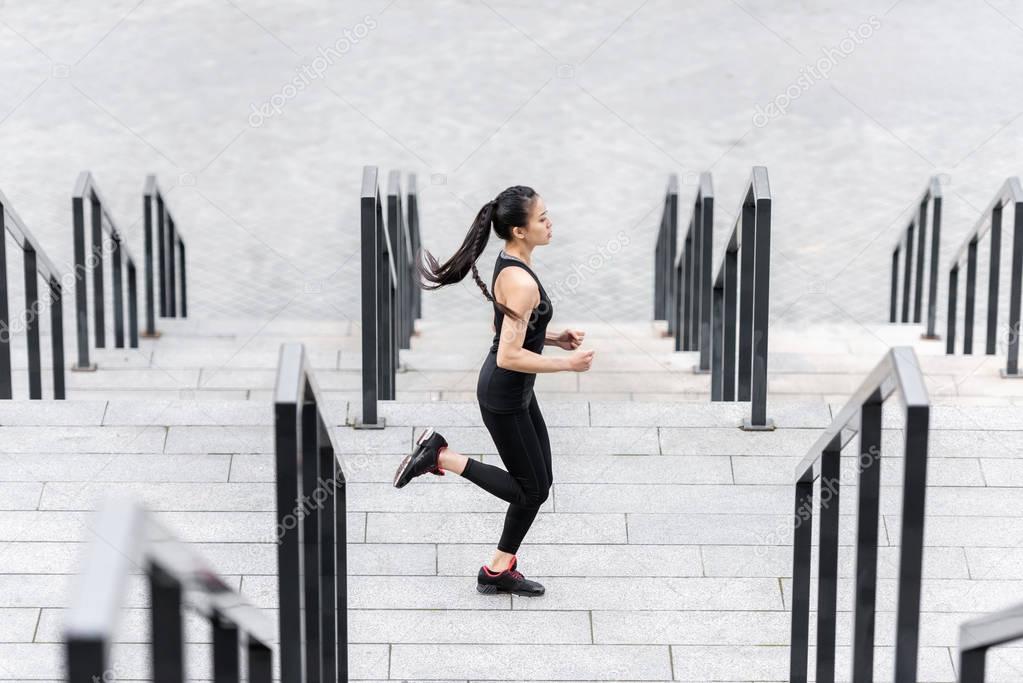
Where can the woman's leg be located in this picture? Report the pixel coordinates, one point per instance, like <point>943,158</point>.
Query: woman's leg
<point>525,482</point>
<point>540,427</point>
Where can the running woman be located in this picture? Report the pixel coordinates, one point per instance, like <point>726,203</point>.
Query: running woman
<point>504,388</point>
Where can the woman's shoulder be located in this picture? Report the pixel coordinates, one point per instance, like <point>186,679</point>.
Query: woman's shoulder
<point>518,275</point>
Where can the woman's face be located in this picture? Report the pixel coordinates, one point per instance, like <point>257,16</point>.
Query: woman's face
<point>539,228</point>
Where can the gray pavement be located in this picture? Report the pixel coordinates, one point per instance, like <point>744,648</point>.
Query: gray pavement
<point>587,103</point>
<point>665,548</point>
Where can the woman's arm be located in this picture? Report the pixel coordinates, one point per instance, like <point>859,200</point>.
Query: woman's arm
<point>523,297</point>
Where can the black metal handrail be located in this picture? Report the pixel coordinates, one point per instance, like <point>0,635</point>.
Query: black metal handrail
<point>312,550</point>
<point>913,285</point>
<point>412,207</point>
<point>379,305</point>
<point>1010,194</point>
<point>401,239</point>
<point>170,258</point>
<point>978,635</point>
<point>898,372</point>
<point>101,219</point>
<point>691,281</point>
<point>35,264</point>
<point>664,254</point>
<point>741,299</point>
<point>129,538</point>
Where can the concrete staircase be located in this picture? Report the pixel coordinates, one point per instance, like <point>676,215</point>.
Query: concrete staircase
<point>236,360</point>
<point>665,545</point>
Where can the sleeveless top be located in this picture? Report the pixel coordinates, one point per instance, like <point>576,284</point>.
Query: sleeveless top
<point>500,390</point>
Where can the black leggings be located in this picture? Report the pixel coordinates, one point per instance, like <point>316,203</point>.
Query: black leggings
<point>525,449</point>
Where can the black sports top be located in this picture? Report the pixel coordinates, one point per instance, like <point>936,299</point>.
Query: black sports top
<point>501,390</point>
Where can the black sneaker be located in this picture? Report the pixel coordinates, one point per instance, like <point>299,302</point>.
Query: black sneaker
<point>422,459</point>
<point>509,581</point>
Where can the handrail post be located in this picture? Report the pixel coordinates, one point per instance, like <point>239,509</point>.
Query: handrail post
<point>147,218</point>
<point>98,301</point>
<point>827,560</point>
<point>674,301</point>
<point>413,223</point>
<point>371,324</point>
<point>747,252</point>
<point>167,626</point>
<point>133,306</point>
<point>761,311</point>
<point>911,543</point>
<point>81,295</point>
<point>971,296</point>
<point>161,248</point>
<point>867,516</point>
<point>932,293</point>
<point>705,219</point>
<point>893,306</point>
<point>659,249</point>
<point>57,339</point>
<point>921,253</point>
<point>118,294</point>
<point>684,327</point>
<point>716,343</point>
<point>172,305</point>
<point>731,293</point>
<point>182,279</point>
<point>907,275</point>
<point>6,368</point>
<point>1015,289</point>
<point>991,338</point>
<point>801,554</point>
<point>950,318</point>
<point>35,369</point>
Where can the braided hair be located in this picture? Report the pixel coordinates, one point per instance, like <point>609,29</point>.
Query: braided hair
<point>509,209</point>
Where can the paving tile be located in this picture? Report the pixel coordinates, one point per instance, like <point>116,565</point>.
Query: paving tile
<point>691,627</point>
<point>734,441</point>
<point>780,470</point>
<point>638,469</point>
<point>103,440</point>
<point>770,663</point>
<point>785,413</point>
<point>578,560</point>
<point>52,413</point>
<point>18,624</point>
<point>685,593</point>
<point>691,498</point>
<point>937,595</point>
<point>505,662</point>
<point>123,467</point>
<point>20,495</point>
<point>176,412</point>
<point>726,529</point>
<point>208,497</point>
<point>754,561</point>
<point>393,592</point>
<point>497,626</point>
<point>230,439</point>
<point>433,527</point>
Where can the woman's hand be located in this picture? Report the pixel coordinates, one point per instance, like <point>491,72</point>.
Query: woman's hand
<point>569,339</point>
<point>580,361</point>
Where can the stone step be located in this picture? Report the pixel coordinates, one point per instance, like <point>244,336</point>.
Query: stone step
<point>665,524</point>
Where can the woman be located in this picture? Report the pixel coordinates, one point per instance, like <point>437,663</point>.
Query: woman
<point>505,385</point>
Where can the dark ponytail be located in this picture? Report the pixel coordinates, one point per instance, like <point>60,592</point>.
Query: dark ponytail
<point>509,209</point>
